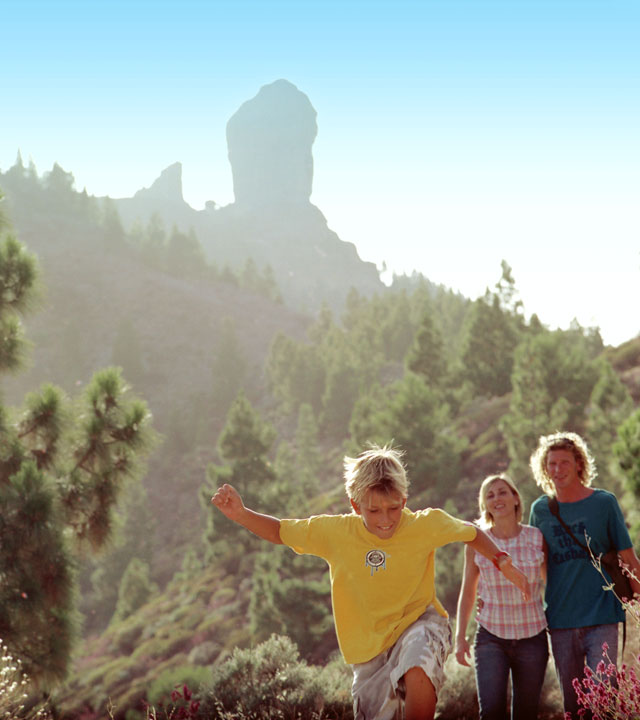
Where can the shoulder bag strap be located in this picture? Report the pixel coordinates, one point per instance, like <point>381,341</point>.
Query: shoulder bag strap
<point>553,507</point>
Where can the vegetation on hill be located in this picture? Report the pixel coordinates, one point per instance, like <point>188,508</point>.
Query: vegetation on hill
<point>245,389</point>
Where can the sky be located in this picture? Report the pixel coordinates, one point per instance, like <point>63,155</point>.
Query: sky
<point>452,134</point>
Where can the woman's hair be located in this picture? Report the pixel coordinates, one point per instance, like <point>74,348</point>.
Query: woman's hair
<point>562,441</point>
<point>379,469</point>
<point>486,518</point>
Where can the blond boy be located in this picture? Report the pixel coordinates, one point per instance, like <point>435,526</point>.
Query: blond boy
<point>390,625</point>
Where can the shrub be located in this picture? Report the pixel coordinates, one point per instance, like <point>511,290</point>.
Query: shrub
<point>270,681</point>
<point>14,686</point>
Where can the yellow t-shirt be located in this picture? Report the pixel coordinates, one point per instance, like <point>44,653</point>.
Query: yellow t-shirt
<point>378,587</point>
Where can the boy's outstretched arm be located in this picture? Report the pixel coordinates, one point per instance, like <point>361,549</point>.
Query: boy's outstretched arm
<point>228,501</point>
<point>485,546</point>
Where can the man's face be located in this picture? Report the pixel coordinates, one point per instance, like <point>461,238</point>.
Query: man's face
<point>380,512</point>
<point>562,467</point>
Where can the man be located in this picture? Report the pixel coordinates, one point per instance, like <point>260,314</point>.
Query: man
<point>580,613</point>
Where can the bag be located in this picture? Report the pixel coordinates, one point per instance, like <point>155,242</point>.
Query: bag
<point>621,584</point>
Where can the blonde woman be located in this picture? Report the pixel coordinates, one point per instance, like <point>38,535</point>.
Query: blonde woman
<point>511,637</point>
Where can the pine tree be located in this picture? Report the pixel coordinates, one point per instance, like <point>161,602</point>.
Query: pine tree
<point>154,242</point>
<point>553,378</point>
<point>609,405</point>
<point>291,596</point>
<point>184,255</point>
<point>100,579</point>
<point>412,416</point>
<point>397,331</point>
<point>488,347</point>
<point>62,466</point>
<point>296,373</point>
<point>244,443</point>
<point>19,278</point>
<point>507,293</point>
<point>114,235</point>
<point>340,395</point>
<point>308,458</point>
<point>135,589</point>
<point>627,451</point>
<point>60,186</point>
<point>493,329</point>
<point>426,356</point>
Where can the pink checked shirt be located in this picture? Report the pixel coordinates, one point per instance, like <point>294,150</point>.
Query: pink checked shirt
<point>502,611</point>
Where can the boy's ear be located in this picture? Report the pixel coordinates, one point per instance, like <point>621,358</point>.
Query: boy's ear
<point>355,506</point>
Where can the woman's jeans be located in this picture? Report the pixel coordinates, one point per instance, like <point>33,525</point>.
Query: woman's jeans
<point>495,658</point>
<point>575,647</point>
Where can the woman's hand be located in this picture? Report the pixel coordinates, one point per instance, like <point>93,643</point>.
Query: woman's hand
<point>463,651</point>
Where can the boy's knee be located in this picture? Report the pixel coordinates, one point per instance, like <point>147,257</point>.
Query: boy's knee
<point>420,695</point>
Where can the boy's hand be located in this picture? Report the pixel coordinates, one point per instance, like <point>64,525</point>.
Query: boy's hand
<point>228,501</point>
<point>517,577</point>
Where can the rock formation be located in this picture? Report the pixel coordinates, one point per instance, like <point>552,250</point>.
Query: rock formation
<point>272,219</point>
<point>269,141</point>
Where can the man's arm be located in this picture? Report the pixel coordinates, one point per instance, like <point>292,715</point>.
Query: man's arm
<point>629,558</point>
<point>228,501</point>
<point>484,545</point>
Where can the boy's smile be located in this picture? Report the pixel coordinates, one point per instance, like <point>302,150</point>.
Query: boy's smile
<point>380,512</point>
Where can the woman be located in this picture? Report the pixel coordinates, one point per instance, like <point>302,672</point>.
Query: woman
<point>511,637</point>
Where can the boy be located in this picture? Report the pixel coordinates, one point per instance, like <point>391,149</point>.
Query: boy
<point>390,626</point>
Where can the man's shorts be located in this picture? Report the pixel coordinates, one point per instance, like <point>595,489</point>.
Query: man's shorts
<point>378,688</point>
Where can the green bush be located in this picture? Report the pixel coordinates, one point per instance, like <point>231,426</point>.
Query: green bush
<point>270,681</point>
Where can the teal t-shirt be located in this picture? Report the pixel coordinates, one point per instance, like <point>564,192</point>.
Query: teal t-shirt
<point>574,595</point>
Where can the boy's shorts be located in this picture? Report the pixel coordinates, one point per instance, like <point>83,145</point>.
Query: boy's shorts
<point>378,687</point>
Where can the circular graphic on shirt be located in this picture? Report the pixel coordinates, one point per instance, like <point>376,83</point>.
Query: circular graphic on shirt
<point>375,559</point>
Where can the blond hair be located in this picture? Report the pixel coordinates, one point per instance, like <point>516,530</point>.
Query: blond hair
<point>379,469</point>
<point>562,441</point>
<point>486,518</point>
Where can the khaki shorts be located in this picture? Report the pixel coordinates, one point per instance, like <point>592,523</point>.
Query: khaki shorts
<point>378,688</point>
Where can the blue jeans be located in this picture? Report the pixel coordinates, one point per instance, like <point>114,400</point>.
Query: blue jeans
<point>572,648</point>
<point>495,659</point>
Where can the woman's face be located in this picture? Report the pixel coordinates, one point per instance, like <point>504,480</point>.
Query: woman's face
<point>500,500</point>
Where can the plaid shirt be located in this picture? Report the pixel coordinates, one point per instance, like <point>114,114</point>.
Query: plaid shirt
<point>501,609</point>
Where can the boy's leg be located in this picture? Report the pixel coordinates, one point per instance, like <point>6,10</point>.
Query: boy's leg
<point>420,698</point>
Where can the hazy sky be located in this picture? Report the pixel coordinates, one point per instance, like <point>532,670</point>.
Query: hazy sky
<point>452,133</point>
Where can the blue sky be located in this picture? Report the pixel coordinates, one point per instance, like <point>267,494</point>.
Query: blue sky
<point>451,133</point>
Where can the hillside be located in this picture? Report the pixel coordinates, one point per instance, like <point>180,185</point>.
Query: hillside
<point>329,359</point>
